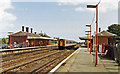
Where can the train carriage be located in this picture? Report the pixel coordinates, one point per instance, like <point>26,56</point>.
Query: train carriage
<point>62,43</point>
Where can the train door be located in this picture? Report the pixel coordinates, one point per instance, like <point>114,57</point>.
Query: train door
<point>61,42</point>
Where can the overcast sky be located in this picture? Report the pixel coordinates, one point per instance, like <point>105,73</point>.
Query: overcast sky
<point>64,18</point>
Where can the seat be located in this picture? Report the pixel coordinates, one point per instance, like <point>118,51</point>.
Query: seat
<point>103,54</point>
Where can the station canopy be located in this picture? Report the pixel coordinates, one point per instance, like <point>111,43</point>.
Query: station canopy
<point>85,38</point>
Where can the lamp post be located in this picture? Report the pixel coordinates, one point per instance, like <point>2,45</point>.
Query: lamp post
<point>88,40</point>
<point>90,36</point>
<point>10,38</point>
<point>96,6</point>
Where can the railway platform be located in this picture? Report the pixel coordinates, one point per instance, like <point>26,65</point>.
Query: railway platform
<point>82,61</point>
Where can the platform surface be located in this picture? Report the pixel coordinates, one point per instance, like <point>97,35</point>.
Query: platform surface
<point>82,61</point>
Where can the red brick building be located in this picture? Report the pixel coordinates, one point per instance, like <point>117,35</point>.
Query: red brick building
<point>103,37</point>
<point>29,39</point>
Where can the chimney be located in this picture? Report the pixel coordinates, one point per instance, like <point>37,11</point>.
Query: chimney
<point>31,30</point>
<point>99,29</point>
<point>35,32</point>
<point>23,28</point>
<point>27,29</point>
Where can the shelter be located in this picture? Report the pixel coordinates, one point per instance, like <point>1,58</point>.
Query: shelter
<point>86,39</point>
<point>103,37</point>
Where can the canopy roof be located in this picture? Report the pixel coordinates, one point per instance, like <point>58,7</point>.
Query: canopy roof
<point>106,33</point>
<point>85,38</point>
<point>41,38</point>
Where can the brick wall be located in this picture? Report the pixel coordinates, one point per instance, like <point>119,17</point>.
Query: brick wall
<point>103,40</point>
<point>18,39</point>
<point>38,42</point>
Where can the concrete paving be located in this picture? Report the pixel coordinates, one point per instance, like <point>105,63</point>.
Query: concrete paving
<point>110,65</point>
<point>82,61</point>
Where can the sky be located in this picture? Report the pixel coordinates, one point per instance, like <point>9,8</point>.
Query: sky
<point>57,18</point>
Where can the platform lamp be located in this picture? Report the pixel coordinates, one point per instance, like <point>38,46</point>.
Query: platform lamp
<point>96,6</point>
<point>88,40</point>
<point>90,36</point>
<point>10,38</point>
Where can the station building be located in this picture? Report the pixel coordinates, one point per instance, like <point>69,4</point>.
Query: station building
<point>29,38</point>
<point>103,37</point>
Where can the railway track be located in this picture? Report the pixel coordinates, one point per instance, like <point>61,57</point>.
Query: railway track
<point>12,58</point>
<point>51,64</point>
<point>35,61</point>
<point>29,64</point>
<point>41,63</point>
<point>22,59</point>
<point>24,62</point>
<point>18,57</point>
<point>19,52</point>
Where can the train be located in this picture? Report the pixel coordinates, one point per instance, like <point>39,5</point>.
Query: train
<point>63,43</point>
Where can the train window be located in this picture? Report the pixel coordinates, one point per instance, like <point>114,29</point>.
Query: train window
<point>66,42</point>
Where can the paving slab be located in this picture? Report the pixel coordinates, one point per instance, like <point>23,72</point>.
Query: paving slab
<point>110,65</point>
<point>82,61</point>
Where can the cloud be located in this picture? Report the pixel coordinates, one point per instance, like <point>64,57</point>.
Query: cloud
<point>6,18</point>
<point>80,9</point>
<point>76,2</point>
<point>83,9</point>
<point>105,5</point>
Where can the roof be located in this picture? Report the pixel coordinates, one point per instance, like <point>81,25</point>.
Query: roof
<point>103,33</point>
<point>31,35</point>
<point>41,38</point>
<point>84,38</point>
<point>106,33</point>
<point>21,33</point>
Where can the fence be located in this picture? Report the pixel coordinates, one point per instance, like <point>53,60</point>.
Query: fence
<point>114,48</point>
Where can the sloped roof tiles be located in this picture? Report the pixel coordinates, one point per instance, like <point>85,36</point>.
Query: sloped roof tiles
<point>106,33</point>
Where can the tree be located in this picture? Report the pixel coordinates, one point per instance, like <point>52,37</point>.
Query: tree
<point>44,35</point>
<point>114,28</point>
<point>41,34</point>
<point>56,38</point>
<point>4,40</point>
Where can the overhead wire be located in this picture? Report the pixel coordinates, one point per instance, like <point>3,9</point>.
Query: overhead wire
<point>94,13</point>
<point>93,19</point>
<point>99,2</point>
